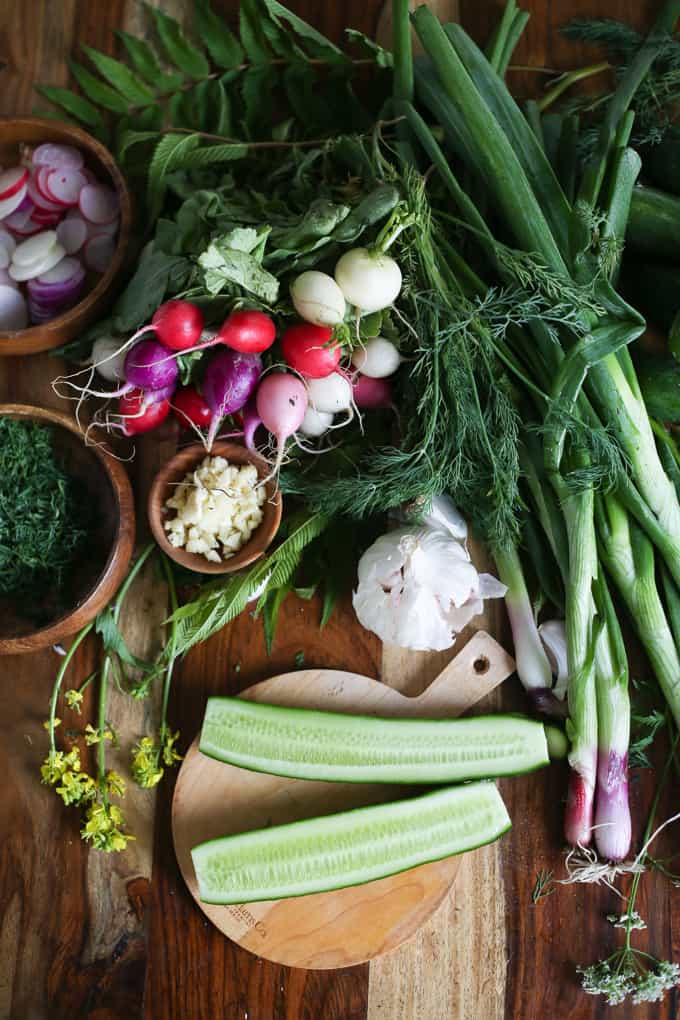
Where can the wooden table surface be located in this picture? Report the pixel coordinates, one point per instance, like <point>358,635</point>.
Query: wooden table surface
<point>109,937</point>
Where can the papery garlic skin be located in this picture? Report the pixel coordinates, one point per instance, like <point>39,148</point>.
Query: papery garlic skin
<point>418,588</point>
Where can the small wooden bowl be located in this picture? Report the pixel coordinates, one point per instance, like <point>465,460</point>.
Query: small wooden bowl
<point>100,571</point>
<point>32,131</point>
<point>174,471</point>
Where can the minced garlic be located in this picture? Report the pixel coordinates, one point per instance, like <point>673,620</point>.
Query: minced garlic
<point>219,506</point>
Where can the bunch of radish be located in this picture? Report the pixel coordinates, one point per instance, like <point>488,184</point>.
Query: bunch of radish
<point>56,222</point>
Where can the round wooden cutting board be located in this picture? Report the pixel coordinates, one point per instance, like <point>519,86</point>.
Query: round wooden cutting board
<point>347,926</point>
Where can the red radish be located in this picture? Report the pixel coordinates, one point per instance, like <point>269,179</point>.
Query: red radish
<point>178,324</point>
<point>98,252</point>
<point>248,331</point>
<point>71,234</point>
<point>371,393</point>
<point>141,413</point>
<point>9,205</point>
<point>309,350</point>
<point>44,219</point>
<point>13,312</point>
<point>190,408</point>
<point>230,379</point>
<point>12,181</point>
<point>53,155</point>
<point>98,204</point>
<point>43,190</point>
<point>65,186</point>
<point>281,404</point>
<point>38,199</point>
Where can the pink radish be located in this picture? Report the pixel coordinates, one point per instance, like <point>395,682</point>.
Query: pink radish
<point>229,381</point>
<point>13,312</point>
<point>9,205</point>
<point>12,181</point>
<point>98,252</point>
<point>98,204</point>
<point>61,156</point>
<point>72,234</point>
<point>65,186</point>
<point>281,403</point>
<point>43,190</point>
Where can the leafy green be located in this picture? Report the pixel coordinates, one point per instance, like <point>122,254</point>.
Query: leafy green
<point>220,42</point>
<point>180,50</point>
<point>147,289</point>
<point>43,520</point>
<point>236,258</point>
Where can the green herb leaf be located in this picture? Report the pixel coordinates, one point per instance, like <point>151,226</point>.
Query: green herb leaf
<point>147,288</point>
<point>74,104</point>
<point>258,84</point>
<point>220,42</point>
<point>146,61</point>
<point>130,138</point>
<point>120,77</point>
<point>96,90</point>
<point>167,156</point>
<point>183,53</point>
<point>222,264</point>
<point>317,44</point>
<point>252,37</point>
<point>383,58</point>
<point>222,124</point>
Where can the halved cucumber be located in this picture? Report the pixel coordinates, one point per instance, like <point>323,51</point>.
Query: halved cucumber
<point>349,848</point>
<point>306,744</point>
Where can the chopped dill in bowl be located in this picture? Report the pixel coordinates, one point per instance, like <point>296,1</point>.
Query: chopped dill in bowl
<point>43,520</point>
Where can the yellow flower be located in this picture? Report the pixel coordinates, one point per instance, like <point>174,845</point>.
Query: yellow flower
<point>93,736</point>
<point>170,755</point>
<point>101,828</point>
<point>115,784</point>
<point>57,763</point>
<point>74,699</point>
<point>77,787</point>
<point>46,724</point>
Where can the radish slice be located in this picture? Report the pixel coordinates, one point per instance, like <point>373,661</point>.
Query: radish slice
<point>62,157</point>
<point>44,219</point>
<point>13,311</point>
<point>12,181</point>
<point>7,281</point>
<point>4,258</point>
<point>35,248</point>
<point>66,270</point>
<point>72,234</point>
<point>37,268</point>
<point>7,241</point>
<point>9,205</point>
<point>39,199</point>
<point>98,252</point>
<point>98,204</point>
<point>65,186</point>
<point>26,204</point>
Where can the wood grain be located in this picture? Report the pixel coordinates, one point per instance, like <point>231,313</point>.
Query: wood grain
<point>492,954</point>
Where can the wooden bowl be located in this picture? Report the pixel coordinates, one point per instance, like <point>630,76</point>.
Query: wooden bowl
<point>100,571</point>
<point>32,131</point>
<point>174,471</point>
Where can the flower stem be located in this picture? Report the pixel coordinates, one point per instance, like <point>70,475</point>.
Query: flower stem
<point>172,644</point>
<point>79,638</point>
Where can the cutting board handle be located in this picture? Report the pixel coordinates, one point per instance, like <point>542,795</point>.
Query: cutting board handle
<point>478,668</point>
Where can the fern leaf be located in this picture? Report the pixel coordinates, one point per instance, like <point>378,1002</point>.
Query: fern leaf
<point>167,157</point>
<point>210,154</point>
<point>220,42</point>
<point>97,91</point>
<point>258,85</point>
<point>146,62</point>
<point>317,44</point>
<point>120,77</point>
<point>252,37</point>
<point>183,53</point>
<point>77,106</point>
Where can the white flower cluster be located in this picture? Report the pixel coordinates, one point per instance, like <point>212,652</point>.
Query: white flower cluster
<point>219,506</point>
<point>618,977</point>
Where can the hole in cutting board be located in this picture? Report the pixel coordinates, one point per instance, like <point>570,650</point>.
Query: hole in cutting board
<point>481,665</point>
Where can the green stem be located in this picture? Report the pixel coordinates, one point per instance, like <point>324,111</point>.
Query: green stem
<point>172,645</point>
<point>565,81</point>
<point>79,638</point>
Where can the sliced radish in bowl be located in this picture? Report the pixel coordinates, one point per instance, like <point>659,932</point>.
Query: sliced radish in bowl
<point>64,157</point>
<point>35,248</point>
<point>38,199</point>
<point>12,181</point>
<point>72,234</point>
<point>4,257</point>
<point>98,252</point>
<point>64,186</point>
<point>7,281</point>
<point>9,205</point>
<point>6,240</point>
<point>98,203</point>
<point>21,273</point>
<point>13,311</point>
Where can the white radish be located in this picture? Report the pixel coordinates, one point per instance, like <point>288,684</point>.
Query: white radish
<point>315,423</point>
<point>21,273</point>
<point>109,359</point>
<point>62,156</point>
<point>330,394</point>
<point>11,204</point>
<point>98,252</point>
<point>72,234</point>
<point>377,359</point>
<point>98,204</point>
<point>13,311</point>
<point>34,248</point>
<point>317,298</point>
<point>368,281</point>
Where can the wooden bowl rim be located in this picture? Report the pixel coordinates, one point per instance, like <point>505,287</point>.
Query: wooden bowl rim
<point>119,557</point>
<point>177,467</point>
<point>14,342</point>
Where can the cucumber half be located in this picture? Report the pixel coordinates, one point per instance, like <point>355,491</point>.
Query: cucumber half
<point>330,746</point>
<point>349,848</point>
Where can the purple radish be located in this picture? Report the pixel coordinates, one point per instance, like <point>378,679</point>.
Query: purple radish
<point>281,404</point>
<point>150,366</point>
<point>229,381</point>
<point>251,423</point>
<point>371,393</point>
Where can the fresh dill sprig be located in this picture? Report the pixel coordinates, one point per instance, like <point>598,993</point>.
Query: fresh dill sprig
<point>543,886</point>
